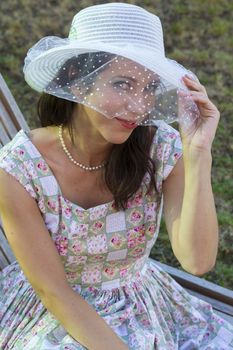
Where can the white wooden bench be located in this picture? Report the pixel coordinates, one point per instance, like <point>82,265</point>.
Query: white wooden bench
<point>12,120</point>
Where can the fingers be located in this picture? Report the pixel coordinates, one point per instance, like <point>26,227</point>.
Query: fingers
<point>194,84</point>
<point>202,100</point>
<point>197,97</point>
<point>200,97</point>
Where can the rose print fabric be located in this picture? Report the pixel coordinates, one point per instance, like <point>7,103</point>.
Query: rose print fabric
<point>105,256</point>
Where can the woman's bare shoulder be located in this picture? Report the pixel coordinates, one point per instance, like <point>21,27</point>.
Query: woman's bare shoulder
<point>44,137</point>
<point>46,141</point>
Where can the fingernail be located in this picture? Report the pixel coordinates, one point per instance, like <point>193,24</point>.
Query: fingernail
<point>184,93</point>
<point>188,76</point>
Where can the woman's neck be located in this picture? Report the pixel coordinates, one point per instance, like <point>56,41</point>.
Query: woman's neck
<point>88,145</point>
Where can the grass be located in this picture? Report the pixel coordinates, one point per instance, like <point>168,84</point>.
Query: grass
<point>197,34</point>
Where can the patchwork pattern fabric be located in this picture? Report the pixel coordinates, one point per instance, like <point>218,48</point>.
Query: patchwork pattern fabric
<point>105,257</point>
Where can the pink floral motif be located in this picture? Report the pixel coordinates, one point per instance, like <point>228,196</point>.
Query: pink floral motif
<point>136,236</point>
<point>159,152</point>
<point>53,205</point>
<point>124,272</point>
<point>131,235</point>
<point>113,205</point>
<point>7,284</point>
<point>67,212</point>
<point>113,263</point>
<point>38,189</point>
<point>151,230</point>
<point>150,211</point>
<point>41,205</point>
<point>77,260</point>
<point>78,230</point>
<point>42,166</point>
<point>96,258</point>
<point>98,212</point>
<point>136,341</point>
<point>9,322</point>
<point>61,243</point>
<point>150,195</point>
<point>80,214</point>
<point>30,190</point>
<point>63,226</point>
<point>71,276</point>
<point>141,310</point>
<point>110,272</point>
<point>78,247</point>
<point>137,200</point>
<point>97,244</point>
<point>129,204</point>
<point>20,152</point>
<point>176,155</point>
<point>28,170</point>
<point>91,274</point>
<point>134,243</point>
<point>116,241</point>
<point>97,226</point>
<point>135,216</point>
<point>33,332</point>
<point>140,229</point>
<point>136,252</point>
<point>8,165</point>
<point>171,135</point>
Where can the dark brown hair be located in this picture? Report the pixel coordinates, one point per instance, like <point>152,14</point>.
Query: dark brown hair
<point>128,162</point>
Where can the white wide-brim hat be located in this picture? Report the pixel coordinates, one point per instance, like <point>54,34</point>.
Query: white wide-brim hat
<point>118,28</point>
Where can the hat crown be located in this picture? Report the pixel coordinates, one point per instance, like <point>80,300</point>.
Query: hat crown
<point>118,24</point>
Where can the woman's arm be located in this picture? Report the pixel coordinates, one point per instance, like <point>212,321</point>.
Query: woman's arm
<point>189,206</point>
<point>37,255</point>
<point>190,215</point>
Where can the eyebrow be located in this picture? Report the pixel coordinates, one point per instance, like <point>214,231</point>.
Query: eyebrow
<point>134,80</point>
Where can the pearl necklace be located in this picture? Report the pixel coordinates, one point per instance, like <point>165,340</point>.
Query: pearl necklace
<point>88,168</point>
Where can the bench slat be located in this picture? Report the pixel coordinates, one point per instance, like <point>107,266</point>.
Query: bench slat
<point>199,285</point>
<point>11,106</point>
<point>217,305</point>
<point>7,123</point>
<point>4,137</point>
<point>5,248</point>
<point>3,261</point>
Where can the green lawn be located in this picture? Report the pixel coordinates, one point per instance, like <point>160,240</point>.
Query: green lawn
<point>197,34</point>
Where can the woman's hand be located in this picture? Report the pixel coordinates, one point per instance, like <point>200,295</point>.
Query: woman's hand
<point>189,207</point>
<point>200,132</point>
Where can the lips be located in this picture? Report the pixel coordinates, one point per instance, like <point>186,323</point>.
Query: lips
<point>127,124</point>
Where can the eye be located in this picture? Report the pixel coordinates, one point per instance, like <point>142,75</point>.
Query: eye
<point>124,85</point>
<point>153,86</point>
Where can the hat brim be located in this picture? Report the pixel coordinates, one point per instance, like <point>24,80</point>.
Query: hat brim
<point>42,70</point>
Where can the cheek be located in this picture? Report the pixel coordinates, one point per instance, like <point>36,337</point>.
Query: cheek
<point>108,102</point>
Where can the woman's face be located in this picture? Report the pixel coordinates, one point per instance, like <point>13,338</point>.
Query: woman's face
<point>122,96</point>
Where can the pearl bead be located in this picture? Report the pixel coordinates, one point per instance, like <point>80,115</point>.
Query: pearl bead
<point>91,168</point>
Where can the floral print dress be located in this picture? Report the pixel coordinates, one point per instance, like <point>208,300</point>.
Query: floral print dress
<point>105,256</point>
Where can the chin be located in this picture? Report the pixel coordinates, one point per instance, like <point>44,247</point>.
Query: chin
<point>118,138</point>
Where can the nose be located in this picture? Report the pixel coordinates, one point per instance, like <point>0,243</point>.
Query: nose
<point>138,105</point>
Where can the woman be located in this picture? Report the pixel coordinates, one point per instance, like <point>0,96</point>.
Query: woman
<point>93,180</point>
